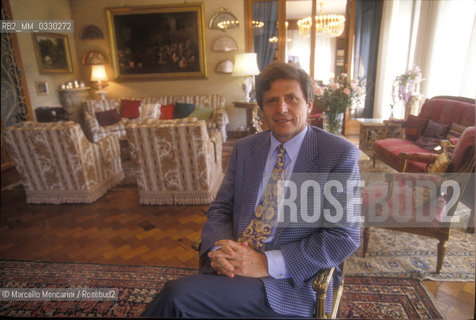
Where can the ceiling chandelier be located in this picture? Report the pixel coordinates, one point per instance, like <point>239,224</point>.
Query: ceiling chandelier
<point>330,25</point>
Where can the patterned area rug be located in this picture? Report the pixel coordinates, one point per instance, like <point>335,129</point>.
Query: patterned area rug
<point>400,254</point>
<point>364,297</point>
<point>387,298</point>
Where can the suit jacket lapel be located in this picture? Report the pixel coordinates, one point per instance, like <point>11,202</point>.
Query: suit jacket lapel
<point>255,165</point>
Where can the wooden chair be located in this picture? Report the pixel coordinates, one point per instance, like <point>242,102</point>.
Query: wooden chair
<point>320,285</point>
<point>458,168</point>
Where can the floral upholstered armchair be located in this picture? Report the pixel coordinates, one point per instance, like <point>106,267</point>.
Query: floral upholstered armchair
<point>58,164</point>
<point>176,161</point>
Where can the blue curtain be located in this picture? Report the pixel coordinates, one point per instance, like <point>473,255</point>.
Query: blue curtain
<point>266,12</point>
<point>368,15</point>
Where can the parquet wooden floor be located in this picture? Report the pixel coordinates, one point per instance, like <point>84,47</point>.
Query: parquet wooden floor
<point>117,230</point>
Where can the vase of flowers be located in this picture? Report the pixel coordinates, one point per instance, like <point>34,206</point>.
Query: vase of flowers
<point>334,99</point>
<point>404,86</point>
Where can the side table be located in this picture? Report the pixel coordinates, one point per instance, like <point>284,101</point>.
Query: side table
<point>370,129</point>
<point>253,124</point>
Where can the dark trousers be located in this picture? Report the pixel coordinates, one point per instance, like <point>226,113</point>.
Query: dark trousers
<point>212,296</point>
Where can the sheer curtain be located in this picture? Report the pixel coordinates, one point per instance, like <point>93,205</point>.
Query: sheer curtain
<point>437,36</point>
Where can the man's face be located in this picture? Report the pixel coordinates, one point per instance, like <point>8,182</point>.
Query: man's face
<point>285,109</point>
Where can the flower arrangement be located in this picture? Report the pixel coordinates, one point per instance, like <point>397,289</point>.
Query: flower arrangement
<point>336,97</point>
<point>404,86</point>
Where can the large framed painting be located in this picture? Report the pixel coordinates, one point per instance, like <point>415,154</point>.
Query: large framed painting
<point>52,53</point>
<point>158,42</point>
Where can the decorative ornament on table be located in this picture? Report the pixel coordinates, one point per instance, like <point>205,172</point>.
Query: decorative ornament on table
<point>404,87</point>
<point>334,99</point>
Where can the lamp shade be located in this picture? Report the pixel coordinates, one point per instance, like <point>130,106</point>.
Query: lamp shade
<point>246,64</point>
<point>98,72</point>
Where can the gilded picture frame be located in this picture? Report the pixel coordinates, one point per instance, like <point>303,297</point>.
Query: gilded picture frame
<point>52,53</point>
<point>157,42</point>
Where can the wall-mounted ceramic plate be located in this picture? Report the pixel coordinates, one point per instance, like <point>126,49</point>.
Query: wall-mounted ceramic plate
<point>225,66</point>
<point>224,44</point>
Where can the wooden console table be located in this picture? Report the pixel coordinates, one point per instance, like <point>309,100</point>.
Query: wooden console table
<point>371,129</point>
<point>253,124</point>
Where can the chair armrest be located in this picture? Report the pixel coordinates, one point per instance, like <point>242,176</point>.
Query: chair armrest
<point>91,125</point>
<point>420,157</point>
<point>197,243</point>
<point>320,284</point>
<point>110,150</point>
<point>217,142</point>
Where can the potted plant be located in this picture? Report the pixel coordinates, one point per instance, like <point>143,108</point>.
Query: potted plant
<point>334,99</point>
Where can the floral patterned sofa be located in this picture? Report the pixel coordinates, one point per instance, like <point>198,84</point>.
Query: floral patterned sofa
<point>440,118</point>
<point>176,161</point>
<point>216,122</point>
<point>58,164</point>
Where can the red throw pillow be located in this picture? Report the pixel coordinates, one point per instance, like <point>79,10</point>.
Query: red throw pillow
<point>130,109</point>
<point>414,127</point>
<point>167,112</point>
<point>107,118</point>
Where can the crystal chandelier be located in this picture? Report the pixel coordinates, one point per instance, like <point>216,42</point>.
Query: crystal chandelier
<point>330,25</point>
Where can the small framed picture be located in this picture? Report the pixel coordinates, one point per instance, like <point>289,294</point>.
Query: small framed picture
<point>41,88</point>
<point>52,53</point>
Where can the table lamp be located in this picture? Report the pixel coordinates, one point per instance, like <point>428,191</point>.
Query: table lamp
<point>246,66</point>
<point>98,75</point>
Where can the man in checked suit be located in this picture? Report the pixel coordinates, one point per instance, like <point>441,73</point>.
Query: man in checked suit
<point>240,276</point>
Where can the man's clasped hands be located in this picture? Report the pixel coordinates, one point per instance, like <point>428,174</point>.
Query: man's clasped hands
<point>238,258</point>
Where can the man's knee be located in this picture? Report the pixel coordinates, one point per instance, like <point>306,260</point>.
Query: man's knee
<point>170,301</point>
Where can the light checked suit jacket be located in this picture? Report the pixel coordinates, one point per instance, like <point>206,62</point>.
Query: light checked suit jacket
<point>305,250</point>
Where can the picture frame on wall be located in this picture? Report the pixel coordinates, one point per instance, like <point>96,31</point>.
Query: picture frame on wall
<point>52,53</point>
<point>157,42</point>
<point>41,87</point>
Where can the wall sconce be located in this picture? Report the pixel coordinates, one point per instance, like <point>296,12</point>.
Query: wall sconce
<point>98,75</point>
<point>246,66</point>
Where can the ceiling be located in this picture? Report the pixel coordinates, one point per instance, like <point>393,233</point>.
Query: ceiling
<point>296,9</point>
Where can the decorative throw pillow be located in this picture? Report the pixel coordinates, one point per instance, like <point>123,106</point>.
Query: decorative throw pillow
<point>182,109</point>
<point>435,129</point>
<point>455,131</point>
<point>432,135</point>
<point>108,117</point>
<point>149,111</point>
<point>440,165</point>
<point>167,112</point>
<point>414,127</point>
<point>201,113</point>
<point>130,109</point>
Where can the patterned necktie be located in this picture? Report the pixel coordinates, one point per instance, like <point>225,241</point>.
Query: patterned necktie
<point>264,217</point>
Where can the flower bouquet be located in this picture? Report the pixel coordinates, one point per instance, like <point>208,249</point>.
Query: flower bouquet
<point>404,86</point>
<point>334,99</point>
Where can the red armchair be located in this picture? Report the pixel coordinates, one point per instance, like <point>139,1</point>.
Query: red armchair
<point>315,118</point>
<point>424,209</point>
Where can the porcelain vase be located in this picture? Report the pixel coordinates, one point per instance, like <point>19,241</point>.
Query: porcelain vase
<point>332,122</point>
